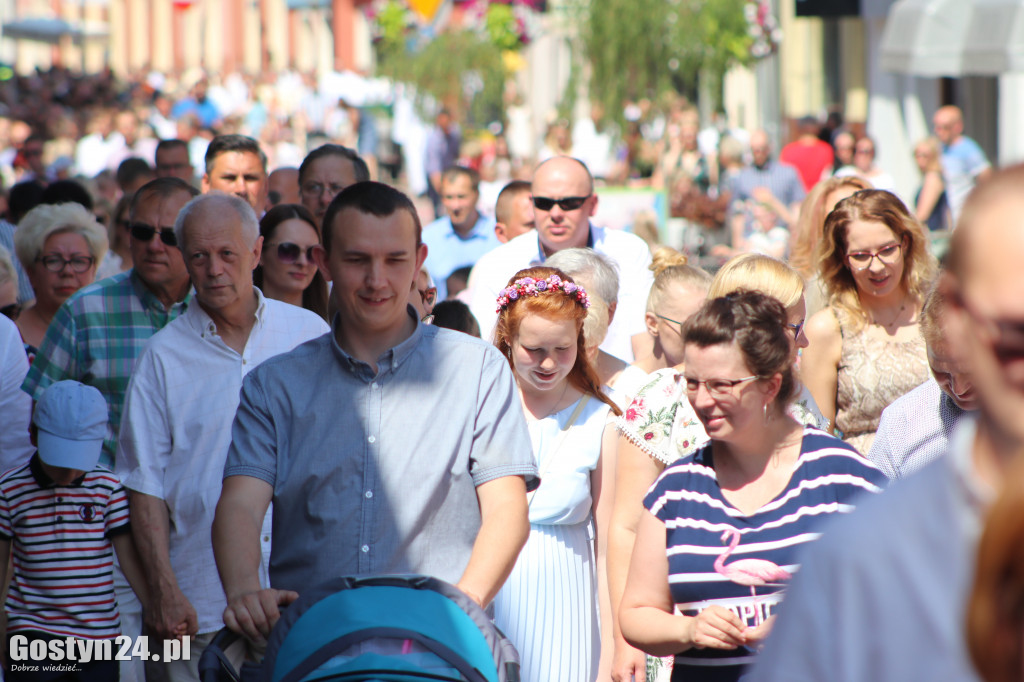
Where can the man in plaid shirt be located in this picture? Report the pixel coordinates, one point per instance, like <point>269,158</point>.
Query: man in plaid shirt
<point>98,333</point>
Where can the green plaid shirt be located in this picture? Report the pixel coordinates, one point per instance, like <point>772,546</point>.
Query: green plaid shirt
<point>95,338</point>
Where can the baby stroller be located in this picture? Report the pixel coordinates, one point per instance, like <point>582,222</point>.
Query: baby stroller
<point>375,629</point>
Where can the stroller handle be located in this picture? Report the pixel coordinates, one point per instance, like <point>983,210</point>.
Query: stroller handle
<point>214,665</point>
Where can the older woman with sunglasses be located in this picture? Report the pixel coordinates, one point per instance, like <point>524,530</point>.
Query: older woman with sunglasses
<point>724,527</point>
<point>286,271</point>
<point>660,427</point>
<point>866,349</point>
<point>59,247</point>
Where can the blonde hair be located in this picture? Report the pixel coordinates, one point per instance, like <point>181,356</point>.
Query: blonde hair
<point>595,324</point>
<point>7,271</point>
<point>871,205</point>
<point>48,219</point>
<point>670,268</point>
<point>762,273</point>
<point>934,148</point>
<point>809,225</point>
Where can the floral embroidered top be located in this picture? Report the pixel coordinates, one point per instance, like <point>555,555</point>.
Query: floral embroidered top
<point>661,422</point>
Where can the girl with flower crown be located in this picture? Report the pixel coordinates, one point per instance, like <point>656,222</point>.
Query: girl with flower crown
<point>549,605</point>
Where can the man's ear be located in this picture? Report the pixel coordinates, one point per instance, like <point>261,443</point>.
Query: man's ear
<point>320,259</point>
<point>499,232</point>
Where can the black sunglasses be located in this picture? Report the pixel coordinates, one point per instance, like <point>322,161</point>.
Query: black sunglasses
<point>144,233</point>
<point>565,203</point>
<point>287,252</point>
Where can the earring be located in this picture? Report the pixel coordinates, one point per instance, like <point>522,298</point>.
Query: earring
<point>766,414</point>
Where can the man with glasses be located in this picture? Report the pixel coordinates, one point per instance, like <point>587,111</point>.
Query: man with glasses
<point>326,171</point>
<point>97,334</point>
<point>563,204</point>
<point>882,595</point>
<point>458,239</point>
<point>178,412</point>
<point>235,164</point>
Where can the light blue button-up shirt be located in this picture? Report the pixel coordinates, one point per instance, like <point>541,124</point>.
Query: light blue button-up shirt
<point>447,251</point>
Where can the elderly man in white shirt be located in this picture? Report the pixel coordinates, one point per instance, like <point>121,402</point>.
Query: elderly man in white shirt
<point>563,203</point>
<point>180,405</point>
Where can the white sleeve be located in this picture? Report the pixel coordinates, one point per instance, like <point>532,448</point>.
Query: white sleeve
<point>15,404</point>
<point>144,443</point>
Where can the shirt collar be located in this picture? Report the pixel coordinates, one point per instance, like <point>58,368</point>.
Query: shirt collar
<point>44,481</point>
<point>150,300</point>
<point>204,325</point>
<point>392,357</point>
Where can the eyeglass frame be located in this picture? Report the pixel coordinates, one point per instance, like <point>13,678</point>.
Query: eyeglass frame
<point>729,384</point>
<point>75,263</point>
<point>669,319</point>
<point>575,203</point>
<point>429,292</point>
<point>166,234</point>
<point>316,189</point>
<point>900,245</point>
<point>995,330</point>
<point>797,328</point>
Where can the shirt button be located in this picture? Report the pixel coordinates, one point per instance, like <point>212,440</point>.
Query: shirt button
<point>365,548</point>
<point>60,499</point>
<point>374,385</point>
<point>372,439</point>
<point>266,538</point>
<point>369,494</point>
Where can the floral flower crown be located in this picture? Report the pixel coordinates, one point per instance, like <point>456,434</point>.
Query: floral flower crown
<point>528,286</point>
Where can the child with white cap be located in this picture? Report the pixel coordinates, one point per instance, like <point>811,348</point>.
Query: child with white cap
<point>61,515</point>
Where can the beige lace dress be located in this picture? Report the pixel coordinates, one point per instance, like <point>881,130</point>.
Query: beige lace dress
<point>874,370</point>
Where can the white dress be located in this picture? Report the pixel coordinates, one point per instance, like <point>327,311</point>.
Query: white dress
<point>548,606</point>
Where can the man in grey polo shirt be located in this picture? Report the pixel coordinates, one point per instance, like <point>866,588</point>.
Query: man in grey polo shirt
<point>387,446</point>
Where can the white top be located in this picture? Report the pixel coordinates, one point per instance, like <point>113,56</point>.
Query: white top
<point>15,404</point>
<point>176,429</point>
<point>627,251</point>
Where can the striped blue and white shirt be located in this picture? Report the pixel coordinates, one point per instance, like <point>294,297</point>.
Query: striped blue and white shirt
<point>720,556</point>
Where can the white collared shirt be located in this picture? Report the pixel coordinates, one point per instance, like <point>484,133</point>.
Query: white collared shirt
<point>627,251</point>
<point>176,430</point>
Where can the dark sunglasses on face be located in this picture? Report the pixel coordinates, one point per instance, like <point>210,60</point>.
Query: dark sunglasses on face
<point>144,233</point>
<point>11,312</point>
<point>287,252</point>
<point>565,203</point>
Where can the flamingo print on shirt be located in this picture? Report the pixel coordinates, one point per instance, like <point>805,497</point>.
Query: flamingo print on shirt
<point>749,572</point>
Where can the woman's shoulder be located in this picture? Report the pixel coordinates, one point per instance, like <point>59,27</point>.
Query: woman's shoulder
<point>824,324</point>
<point>824,454</point>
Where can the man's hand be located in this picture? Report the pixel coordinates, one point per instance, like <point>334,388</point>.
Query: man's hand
<point>254,614</point>
<point>171,615</point>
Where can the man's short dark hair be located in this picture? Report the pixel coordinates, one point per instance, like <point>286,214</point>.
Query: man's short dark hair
<point>223,144</point>
<point>362,171</point>
<point>22,198</point>
<point>453,172</point>
<point>506,198</point>
<point>67,191</point>
<point>167,145</point>
<point>371,198</point>
<point>130,170</point>
<point>162,187</point>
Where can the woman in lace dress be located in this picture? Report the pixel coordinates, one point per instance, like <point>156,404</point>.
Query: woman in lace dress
<point>866,349</point>
<point>660,427</point>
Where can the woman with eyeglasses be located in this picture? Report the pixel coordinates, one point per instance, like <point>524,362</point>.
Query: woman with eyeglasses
<point>286,271</point>
<point>865,347</point>
<point>660,427</point>
<point>59,247</point>
<point>549,605</point>
<point>723,528</point>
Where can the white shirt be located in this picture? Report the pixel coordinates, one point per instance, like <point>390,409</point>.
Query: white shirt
<point>15,404</point>
<point>176,430</point>
<point>629,253</point>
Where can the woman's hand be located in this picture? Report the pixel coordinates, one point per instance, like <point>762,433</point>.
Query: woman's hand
<point>628,664</point>
<point>756,635</point>
<point>716,628</point>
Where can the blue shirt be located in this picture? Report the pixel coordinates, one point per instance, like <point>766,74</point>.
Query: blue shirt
<point>447,250</point>
<point>962,162</point>
<point>687,498</point>
<point>376,472</point>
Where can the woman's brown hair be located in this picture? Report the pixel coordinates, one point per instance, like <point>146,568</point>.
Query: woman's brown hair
<point>809,225</point>
<point>554,305</point>
<point>314,297</point>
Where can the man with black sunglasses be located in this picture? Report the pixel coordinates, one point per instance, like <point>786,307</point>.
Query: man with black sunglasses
<point>883,595</point>
<point>98,333</point>
<point>563,205</point>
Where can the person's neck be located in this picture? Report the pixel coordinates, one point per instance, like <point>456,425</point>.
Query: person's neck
<point>886,307</point>
<point>540,404</point>
<point>654,361</point>
<point>547,252</point>
<point>290,296</point>
<point>235,322</point>
<point>993,452</point>
<point>750,453</point>
<point>367,346</point>
<point>465,227</point>
<point>170,294</point>
<point>44,310</point>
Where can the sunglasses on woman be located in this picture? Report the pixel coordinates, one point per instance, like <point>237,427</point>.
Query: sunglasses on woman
<point>288,252</point>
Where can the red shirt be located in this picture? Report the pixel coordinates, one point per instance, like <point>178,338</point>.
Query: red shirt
<point>810,158</point>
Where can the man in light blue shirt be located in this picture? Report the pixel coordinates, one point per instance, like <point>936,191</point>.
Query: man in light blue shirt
<point>458,239</point>
<point>963,162</point>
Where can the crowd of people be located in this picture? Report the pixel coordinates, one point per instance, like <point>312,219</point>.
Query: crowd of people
<point>235,385</point>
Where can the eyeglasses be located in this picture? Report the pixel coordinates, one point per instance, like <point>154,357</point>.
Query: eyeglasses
<point>316,189</point>
<point>565,203</point>
<point>861,260</point>
<point>11,312</point>
<point>144,233</point>
<point>1006,337</point>
<point>428,295</point>
<point>716,387</point>
<point>797,328</point>
<point>287,252</point>
<point>79,264</point>
<point>669,319</point>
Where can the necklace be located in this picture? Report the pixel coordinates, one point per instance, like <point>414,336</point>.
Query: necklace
<point>894,320</point>
<point>554,406</point>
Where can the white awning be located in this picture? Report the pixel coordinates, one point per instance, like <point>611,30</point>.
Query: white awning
<point>926,37</point>
<point>995,38</point>
<point>46,30</point>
